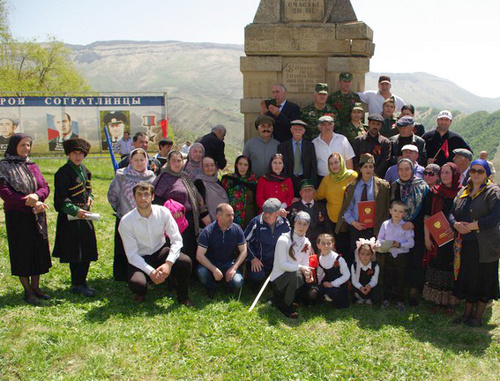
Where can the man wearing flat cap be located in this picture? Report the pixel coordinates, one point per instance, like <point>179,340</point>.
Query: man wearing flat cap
<point>320,223</point>
<point>375,99</point>
<point>329,142</point>
<point>375,144</point>
<point>344,99</point>
<point>462,160</point>
<point>299,156</point>
<point>406,126</point>
<point>410,152</point>
<point>311,113</point>
<point>441,142</point>
<point>281,110</point>
<point>261,235</point>
<point>261,149</point>
<point>115,121</point>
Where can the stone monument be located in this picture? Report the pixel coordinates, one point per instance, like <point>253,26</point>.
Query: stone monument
<point>301,43</point>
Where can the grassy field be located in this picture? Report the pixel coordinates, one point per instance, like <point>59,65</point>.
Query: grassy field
<point>111,338</point>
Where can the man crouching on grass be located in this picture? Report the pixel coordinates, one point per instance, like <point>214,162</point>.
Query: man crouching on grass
<point>143,233</point>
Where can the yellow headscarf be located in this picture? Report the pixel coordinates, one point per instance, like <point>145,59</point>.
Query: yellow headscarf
<point>343,173</point>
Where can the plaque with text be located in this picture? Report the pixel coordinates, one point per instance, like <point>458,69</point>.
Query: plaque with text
<point>301,78</point>
<point>305,10</point>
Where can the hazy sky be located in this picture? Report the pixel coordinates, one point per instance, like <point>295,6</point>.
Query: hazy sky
<point>454,39</point>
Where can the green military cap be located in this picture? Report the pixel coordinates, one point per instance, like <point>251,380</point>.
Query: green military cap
<point>345,77</point>
<point>306,183</point>
<point>358,106</point>
<point>321,88</point>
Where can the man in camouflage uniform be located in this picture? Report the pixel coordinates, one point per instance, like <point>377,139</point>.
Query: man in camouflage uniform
<point>314,111</point>
<point>343,100</point>
<point>355,127</point>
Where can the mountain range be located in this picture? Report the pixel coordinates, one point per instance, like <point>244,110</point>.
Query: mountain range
<point>204,84</point>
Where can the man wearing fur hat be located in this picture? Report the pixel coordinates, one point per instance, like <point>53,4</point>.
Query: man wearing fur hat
<point>75,235</point>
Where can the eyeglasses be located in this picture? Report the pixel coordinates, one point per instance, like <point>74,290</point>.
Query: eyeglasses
<point>429,174</point>
<point>480,171</point>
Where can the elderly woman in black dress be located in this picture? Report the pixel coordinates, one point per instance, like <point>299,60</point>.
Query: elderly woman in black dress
<point>476,217</point>
<point>24,190</point>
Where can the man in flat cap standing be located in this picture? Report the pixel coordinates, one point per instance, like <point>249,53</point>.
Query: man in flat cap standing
<point>281,110</point>
<point>317,109</point>
<point>406,126</point>
<point>441,142</point>
<point>462,160</point>
<point>344,99</point>
<point>299,156</point>
<point>375,144</point>
<point>375,99</point>
<point>261,149</point>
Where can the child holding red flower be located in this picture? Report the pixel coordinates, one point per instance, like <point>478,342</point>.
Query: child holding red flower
<point>333,273</point>
<point>365,272</point>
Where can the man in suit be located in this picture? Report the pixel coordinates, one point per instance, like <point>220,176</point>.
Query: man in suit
<point>299,156</point>
<point>63,125</point>
<point>320,223</point>
<point>282,111</point>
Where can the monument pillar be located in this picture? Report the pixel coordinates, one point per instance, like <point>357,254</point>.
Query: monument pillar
<point>301,43</point>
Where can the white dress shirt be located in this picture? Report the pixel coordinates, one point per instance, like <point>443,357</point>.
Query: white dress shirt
<point>375,101</point>
<point>144,236</point>
<point>339,143</point>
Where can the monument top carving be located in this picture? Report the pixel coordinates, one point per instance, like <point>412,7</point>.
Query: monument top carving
<point>297,11</point>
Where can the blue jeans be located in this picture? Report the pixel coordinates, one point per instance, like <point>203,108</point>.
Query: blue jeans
<point>207,278</point>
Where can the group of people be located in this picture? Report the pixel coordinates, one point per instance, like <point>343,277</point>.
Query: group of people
<point>324,207</point>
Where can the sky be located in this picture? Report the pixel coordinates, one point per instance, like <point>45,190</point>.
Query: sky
<point>454,39</point>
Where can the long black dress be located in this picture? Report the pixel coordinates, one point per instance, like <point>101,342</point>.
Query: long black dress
<point>75,240</point>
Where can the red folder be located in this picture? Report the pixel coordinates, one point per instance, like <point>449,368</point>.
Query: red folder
<point>440,229</point>
<point>366,212</point>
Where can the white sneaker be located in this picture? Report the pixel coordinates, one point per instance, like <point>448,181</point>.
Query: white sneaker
<point>360,301</point>
<point>328,299</point>
<point>368,301</point>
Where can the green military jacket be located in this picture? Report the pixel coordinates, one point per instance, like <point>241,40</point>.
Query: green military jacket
<point>343,104</point>
<point>310,114</point>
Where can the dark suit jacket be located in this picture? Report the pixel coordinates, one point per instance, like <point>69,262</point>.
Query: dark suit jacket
<point>214,147</point>
<point>289,112</point>
<point>320,223</point>
<point>382,198</point>
<point>417,141</point>
<point>309,162</point>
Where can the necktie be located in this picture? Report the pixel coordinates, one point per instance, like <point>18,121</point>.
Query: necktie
<point>309,205</point>
<point>364,194</point>
<point>297,160</point>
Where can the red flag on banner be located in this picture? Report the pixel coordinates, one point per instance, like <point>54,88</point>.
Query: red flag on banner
<point>445,149</point>
<point>164,128</point>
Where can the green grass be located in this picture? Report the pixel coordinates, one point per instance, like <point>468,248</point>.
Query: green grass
<point>110,338</point>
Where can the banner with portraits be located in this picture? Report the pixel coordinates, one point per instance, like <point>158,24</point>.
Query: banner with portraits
<point>50,120</point>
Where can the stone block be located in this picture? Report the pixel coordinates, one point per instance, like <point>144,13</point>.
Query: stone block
<point>339,11</point>
<point>304,11</point>
<point>349,64</point>
<point>258,84</point>
<point>250,105</point>
<point>362,47</point>
<point>269,12</point>
<point>260,64</point>
<point>294,40</point>
<point>354,31</point>
<point>300,75</point>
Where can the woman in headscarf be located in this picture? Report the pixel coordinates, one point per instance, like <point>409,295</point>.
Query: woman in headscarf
<point>291,274</point>
<point>210,187</point>
<point>476,217</point>
<point>412,191</point>
<point>174,184</point>
<point>193,166</point>
<point>275,184</point>
<point>439,260</point>
<point>241,187</point>
<point>431,175</point>
<point>75,237</point>
<point>24,190</point>
<point>121,198</point>
<point>367,187</point>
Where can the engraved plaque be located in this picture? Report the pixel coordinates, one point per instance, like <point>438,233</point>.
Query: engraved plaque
<point>304,10</point>
<point>301,78</point>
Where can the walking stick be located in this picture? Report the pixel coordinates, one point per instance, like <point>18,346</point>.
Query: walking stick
<point>260,293</point>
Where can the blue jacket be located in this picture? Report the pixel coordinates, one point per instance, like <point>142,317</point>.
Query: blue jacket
<point>261,241</point>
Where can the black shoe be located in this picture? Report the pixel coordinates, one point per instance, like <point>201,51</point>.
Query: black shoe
<point>211,292</point>
<point>83,290</point>
<point>42,295</point>
<point>414,302</point>
<point>460,320</point>
<point>473,323</point>
<point>32,299</point>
